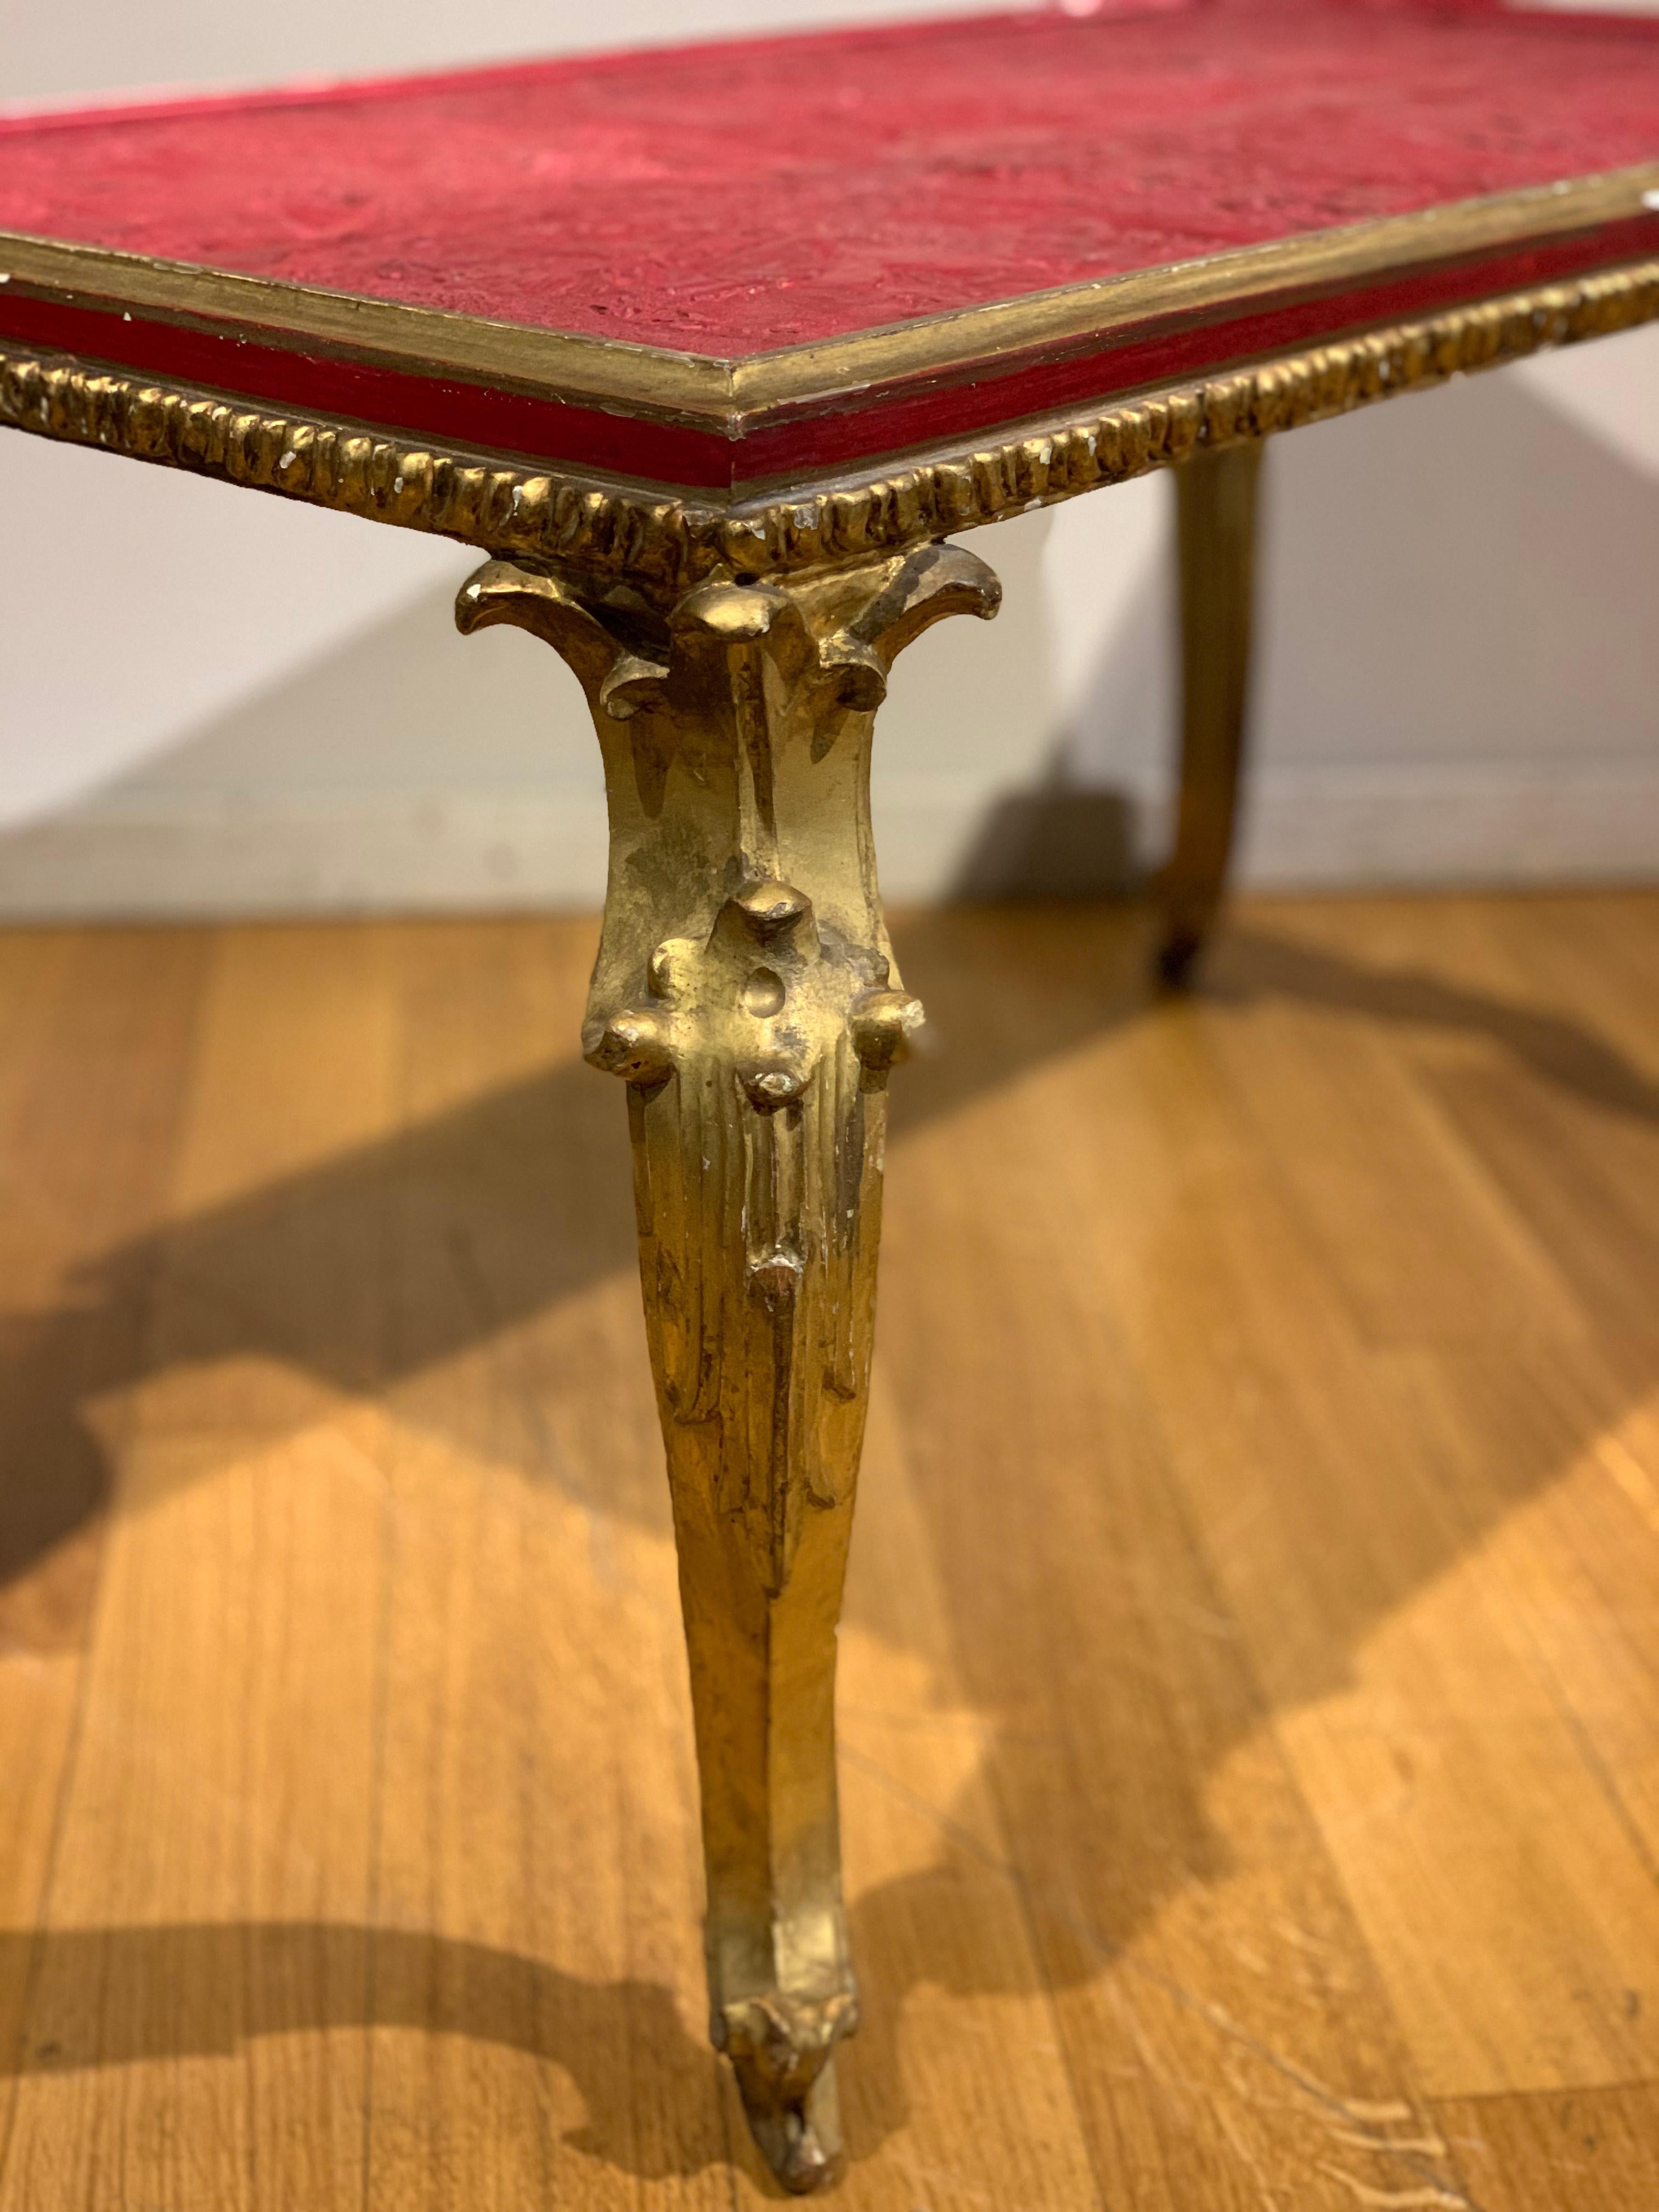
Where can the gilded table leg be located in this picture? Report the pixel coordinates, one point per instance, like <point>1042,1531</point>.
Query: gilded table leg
<point>1215,506</point>
<point>744,993</point>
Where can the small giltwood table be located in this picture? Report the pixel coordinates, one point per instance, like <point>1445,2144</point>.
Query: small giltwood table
<point>712,351</point>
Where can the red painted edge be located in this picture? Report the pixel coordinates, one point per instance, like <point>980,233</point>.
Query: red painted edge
<point>833,435</point>
<point>451,409</point>
<point>1143,358</point>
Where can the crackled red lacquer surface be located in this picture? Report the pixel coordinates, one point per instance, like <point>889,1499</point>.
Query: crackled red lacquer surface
<point>733,199</point>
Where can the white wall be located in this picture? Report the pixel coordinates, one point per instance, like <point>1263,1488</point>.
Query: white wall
<point>219,702</point>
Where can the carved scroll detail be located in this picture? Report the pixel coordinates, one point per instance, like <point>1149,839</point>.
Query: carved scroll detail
<point>745,994</point>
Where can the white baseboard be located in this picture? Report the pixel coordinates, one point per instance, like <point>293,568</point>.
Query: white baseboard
<point>187,855</point>
<point>201,856</point>
<point>1514,823</point>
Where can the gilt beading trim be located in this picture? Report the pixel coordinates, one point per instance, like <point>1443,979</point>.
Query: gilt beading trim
<point>673,542</point>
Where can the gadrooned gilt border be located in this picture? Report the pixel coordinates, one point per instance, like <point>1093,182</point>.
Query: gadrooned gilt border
<point>677,542</point>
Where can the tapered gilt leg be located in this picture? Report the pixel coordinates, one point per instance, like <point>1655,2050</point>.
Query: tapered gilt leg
<point>1215,507</point>
<point>745,992</point>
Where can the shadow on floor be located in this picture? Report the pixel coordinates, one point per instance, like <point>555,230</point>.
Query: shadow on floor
<point>113,1995</point>
<point>1252,964</point>
<point>394,1257</point>
<point>207,1989</point>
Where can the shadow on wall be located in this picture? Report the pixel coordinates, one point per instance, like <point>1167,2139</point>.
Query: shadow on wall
<point>412,769</point>
<point>1468,576</point>
<point>1455,672</point>
<point>1058,841</point>
<point>1455,679</point>
<point>403,769</point>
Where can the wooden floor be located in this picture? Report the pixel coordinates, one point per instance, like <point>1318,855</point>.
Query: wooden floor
<point>1250,1694</point>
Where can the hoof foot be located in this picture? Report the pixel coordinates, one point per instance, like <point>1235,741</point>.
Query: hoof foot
<point>783,2053</point>
<point>1175,958</point>
<point>802,2142</point>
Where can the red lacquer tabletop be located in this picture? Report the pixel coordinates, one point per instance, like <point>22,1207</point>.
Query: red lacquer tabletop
<point>754,205</point>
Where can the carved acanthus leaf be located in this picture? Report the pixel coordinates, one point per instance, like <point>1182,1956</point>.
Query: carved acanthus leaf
<point>745,992</point>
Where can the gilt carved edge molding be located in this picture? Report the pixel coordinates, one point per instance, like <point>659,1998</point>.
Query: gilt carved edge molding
<point>568,519</point>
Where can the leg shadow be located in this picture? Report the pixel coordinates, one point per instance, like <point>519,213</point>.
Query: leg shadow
<point>110,1997</point>
<point>1251,962</point>
<point>372,1271</point>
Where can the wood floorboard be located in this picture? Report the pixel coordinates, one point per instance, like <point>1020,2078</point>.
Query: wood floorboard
<point>94,1081</point>
<point>1326,1057</point>
<point>1410,1704</point>
<point>1189,1918</point>
<point>1579,2150</point>
<point>196,2028</point>
<point>1251,1744</point>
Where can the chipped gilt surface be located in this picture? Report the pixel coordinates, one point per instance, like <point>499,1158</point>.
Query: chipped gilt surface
<point>745,992</point>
